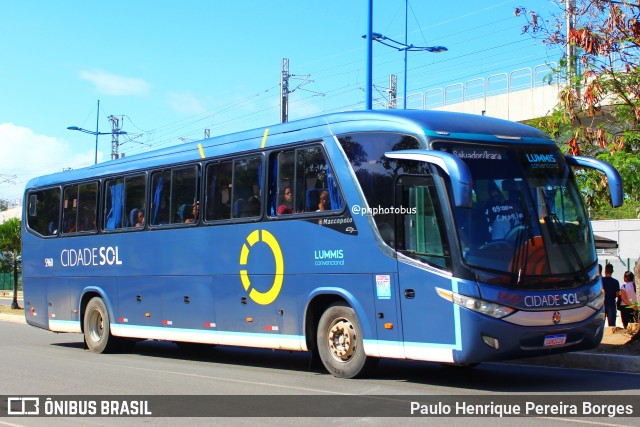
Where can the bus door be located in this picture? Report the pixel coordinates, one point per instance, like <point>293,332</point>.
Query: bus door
<point>424,263</point>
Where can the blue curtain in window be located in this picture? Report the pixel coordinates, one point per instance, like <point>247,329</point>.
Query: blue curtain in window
<point>157,198</point>
<point>332,187</point>
<point>114,218</point>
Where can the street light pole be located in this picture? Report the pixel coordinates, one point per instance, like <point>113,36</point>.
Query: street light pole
<point>406,47</point>
<point>369,36</point>
<point>406,42</point>
<point>97,132</point>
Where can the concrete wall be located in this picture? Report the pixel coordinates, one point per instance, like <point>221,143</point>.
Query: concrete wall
<point>11,213</point>
<point>627,233</point>
<point>515,106</point>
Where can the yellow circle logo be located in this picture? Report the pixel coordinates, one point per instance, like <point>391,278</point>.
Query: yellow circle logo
<point>263,298</point>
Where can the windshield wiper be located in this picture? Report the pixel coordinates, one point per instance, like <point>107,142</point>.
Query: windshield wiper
<point>521,251</point>
<point>556,224</point>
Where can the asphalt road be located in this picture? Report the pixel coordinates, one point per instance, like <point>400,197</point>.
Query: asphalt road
<point>8,299</point>
<point>34,361</point>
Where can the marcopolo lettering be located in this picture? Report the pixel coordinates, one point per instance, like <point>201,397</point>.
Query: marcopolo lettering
<point>536,301</point>
<point>87,257</point>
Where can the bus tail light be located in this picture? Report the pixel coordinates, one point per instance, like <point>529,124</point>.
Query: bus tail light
<point>476,304</point>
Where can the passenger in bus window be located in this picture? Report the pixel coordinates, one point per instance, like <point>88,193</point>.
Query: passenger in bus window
<point>69,225</point>
<point>251,207</point>
<point>325,203</point>
<point>286,207</point>
<point>140,218</point>
<point>195,213</point>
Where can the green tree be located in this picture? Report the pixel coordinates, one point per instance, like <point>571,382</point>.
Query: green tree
<point>10,244</point>
<point>599,108</point>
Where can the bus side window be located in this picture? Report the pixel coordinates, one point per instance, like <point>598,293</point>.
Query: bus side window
<point>184,195</point>
<point>301,180</point>
<point>218,191</point>
<point>87,207</point>
<point>246,189</point>
<point>70,209</point>
<point>171,189</point>
<point>135,188</point>
<point>79,209</point>
<point>43,215</point>
<point>160,202</point>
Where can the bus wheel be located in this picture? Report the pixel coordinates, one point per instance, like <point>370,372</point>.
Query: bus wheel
<point>340,343</point>
<point>97,333</point>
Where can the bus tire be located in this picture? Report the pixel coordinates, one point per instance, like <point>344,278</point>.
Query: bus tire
<point>340,343</point>
<point>97,330</point>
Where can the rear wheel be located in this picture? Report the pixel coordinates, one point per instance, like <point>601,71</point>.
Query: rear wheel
<point>97,331</point>
<point>340,343</point>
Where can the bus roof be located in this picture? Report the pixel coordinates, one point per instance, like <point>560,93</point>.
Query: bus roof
<point>440,124</point>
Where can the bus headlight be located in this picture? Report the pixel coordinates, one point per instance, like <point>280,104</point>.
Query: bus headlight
<point>481,306</point>
<point>597,302</point>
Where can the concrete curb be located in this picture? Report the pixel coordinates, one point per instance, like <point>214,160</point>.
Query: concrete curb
<point>14,318</point>
<point>585,360</point>
<point>578,360</point>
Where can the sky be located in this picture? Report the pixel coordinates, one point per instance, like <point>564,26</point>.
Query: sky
<point>171,69</point>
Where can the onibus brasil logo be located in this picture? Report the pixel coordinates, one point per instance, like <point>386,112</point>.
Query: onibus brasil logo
<point>262,298</point>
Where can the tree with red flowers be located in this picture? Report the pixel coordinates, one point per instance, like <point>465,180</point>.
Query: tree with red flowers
<point>599,108</point>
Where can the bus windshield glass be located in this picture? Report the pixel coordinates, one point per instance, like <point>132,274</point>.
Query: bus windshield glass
<point>527,217</point>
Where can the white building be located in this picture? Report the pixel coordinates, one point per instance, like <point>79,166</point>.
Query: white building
<point>15,212</point>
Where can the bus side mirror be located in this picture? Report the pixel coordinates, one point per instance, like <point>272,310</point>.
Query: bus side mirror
<point>33,203</point>
<point>613,177</point>
<point>457,170</point>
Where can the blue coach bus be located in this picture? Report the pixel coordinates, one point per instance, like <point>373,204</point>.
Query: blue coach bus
<point>416,235</point>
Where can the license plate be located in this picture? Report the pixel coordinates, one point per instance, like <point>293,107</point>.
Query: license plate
<point>553,340</point>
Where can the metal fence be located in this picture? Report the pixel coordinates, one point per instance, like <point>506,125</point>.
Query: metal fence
<point>6,282</point>
<point>496,84</point>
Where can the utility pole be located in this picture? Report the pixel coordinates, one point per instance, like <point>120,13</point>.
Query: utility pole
<point>115,133</point>
<point>571,48</point>
<point>393,91</point>
<point>284,91</point>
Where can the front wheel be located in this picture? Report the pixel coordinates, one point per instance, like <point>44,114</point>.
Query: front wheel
<point>97,331</point>
<point>340,343</point>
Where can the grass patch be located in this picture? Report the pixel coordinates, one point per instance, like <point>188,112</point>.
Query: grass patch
<point>8,310</point>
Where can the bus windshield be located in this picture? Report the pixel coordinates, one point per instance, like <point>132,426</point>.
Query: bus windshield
<point>527,217</point>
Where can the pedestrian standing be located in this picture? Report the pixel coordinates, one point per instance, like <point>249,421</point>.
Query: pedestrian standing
<point>628,299</point>
<point>611,291</point>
